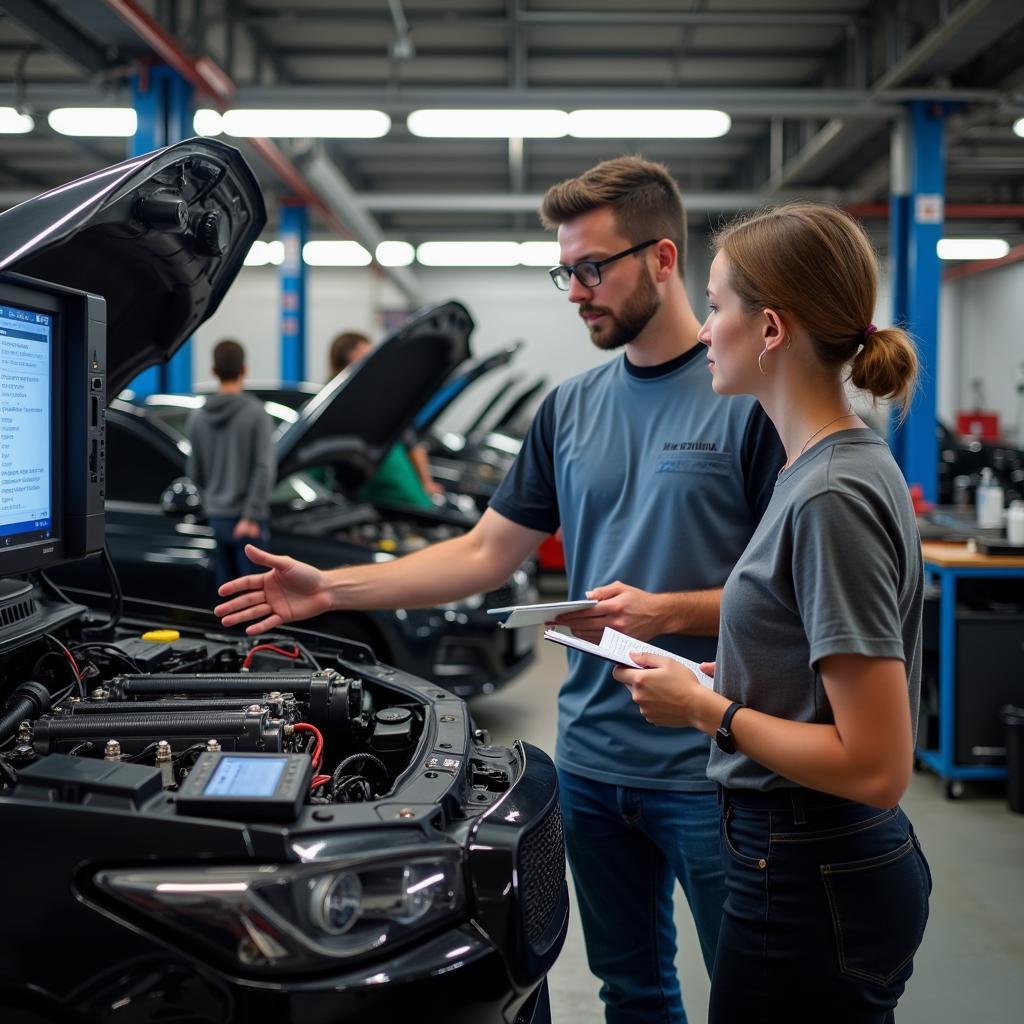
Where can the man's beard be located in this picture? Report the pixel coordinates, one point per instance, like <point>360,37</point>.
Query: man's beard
<point>634,317</point>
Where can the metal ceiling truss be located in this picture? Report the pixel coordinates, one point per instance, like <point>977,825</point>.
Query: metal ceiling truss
<point>823,132</point>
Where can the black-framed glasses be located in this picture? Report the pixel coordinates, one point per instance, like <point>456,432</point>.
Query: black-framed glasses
<point>588,272</point>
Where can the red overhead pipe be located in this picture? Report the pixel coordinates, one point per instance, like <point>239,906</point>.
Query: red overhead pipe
<point>204,74</point>
<point>212,82</point>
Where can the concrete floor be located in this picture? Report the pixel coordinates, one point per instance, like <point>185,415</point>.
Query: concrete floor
<point>971,965</point>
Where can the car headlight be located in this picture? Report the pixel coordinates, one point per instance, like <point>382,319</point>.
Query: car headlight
<point>297,917</point>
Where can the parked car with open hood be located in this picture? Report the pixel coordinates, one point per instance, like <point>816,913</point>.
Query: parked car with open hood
<point>159,539</point>
<point>197,826</point>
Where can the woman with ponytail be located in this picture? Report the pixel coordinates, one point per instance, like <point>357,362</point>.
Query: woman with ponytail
<point>817,682</point>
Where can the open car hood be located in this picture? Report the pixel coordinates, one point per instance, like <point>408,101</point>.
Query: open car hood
<point>458,383</point>
<point>160,236</point>
<point>353,422</point>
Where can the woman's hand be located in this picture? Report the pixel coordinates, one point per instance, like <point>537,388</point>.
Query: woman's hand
<point>666,692</point>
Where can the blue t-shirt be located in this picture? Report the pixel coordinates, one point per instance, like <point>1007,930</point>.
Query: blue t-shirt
<point>658,482</point>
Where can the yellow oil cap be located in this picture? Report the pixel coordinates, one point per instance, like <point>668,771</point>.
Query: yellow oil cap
<point>162,636</point>
<point>387,544</point>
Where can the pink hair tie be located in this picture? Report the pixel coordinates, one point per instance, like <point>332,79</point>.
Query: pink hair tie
<point>869,330</point>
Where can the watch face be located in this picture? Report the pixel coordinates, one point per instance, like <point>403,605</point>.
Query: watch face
<point>725,741</point>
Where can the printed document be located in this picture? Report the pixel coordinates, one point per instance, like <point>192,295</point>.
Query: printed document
<point>615,647</point>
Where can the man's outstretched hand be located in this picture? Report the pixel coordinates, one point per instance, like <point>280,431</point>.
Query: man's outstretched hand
<point>287,592</point>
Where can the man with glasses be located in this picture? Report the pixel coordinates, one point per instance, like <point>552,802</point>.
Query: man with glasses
<point>657,485</point>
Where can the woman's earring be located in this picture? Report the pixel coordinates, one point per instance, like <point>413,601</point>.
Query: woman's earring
<point>759,358</point>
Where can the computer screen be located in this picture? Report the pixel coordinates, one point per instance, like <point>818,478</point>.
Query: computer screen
<point>26,425</point>
<point>246,776</point>
<point>52,446</point>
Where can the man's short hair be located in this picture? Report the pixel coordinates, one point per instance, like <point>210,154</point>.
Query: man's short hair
<point>228,360</point>
<point>644,196</point>
<point>343,348</point>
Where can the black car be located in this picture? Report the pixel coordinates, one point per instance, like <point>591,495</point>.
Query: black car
<point>160,542</point>
<point>199,827</point>
<point>457,459</point>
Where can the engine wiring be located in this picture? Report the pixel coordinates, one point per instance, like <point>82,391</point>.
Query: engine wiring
<point>111,650</point>
<point>355,787</point>
<point>71,660</point>
<point>318,748</point>
<point>297,651</point>
<point>293,653</point>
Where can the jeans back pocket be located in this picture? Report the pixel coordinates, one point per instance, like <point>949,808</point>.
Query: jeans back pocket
<point>879,911</point>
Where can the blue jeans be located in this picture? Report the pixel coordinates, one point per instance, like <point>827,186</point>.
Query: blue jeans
<point>229,558</point>
<point>828,901</point>
<point>626,848</point>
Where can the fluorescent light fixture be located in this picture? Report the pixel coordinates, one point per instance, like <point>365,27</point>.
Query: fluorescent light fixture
<point>539,254</point>
<point>306,124</point>
<point>972,248</point>
<point>395,254</point>
<point>261,254</point>
<point>468,254</point>
<point>207,122</point>
<point>1018,127</point>
<point>488,124</point>
<point>109,122</point>
<point>13,123</point>
<point>335,253</point>
<point>648,124</point>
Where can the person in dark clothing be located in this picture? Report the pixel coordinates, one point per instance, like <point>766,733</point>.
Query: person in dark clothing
<point>232,463</point>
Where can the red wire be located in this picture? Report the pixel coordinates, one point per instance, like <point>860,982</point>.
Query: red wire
<point>69,656</point>
<point>318,747</point>
<point>319,780</point>
<point>294,653</point>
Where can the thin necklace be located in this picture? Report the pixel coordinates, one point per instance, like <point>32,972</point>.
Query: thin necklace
<point>844,416</point>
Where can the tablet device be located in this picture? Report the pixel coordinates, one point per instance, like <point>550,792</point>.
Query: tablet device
<point>537,614</point>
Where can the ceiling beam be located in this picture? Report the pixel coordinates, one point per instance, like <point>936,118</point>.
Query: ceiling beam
<point>790,103</point>
<point>460,202</point>
<point>955,41</point>
<point>44,24</point>
<point>378,14</point>
<point>732,19</point>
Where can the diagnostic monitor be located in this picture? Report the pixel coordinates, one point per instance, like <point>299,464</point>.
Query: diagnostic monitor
<point>52,401</point>
<point>254,787</point>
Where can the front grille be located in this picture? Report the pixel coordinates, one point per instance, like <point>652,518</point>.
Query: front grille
<point>541,869</point>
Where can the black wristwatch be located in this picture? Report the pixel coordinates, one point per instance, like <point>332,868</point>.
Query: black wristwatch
<point>723,737</point>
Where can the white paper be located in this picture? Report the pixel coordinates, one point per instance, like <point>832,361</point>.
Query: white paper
<point>537,614</point>
<point>616,646</point>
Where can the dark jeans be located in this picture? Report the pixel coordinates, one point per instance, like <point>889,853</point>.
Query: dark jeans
<point>627,847</point>
<point>229,558</point>
<point>827,905</point>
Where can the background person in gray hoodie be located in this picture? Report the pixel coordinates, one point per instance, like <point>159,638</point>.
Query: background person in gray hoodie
<point>232,463</point>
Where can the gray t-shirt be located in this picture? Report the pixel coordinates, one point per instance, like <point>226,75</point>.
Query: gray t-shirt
<point>658,482</point>
<point>834,567</point>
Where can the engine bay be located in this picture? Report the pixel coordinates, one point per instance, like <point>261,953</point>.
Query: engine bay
<point>77,709</point>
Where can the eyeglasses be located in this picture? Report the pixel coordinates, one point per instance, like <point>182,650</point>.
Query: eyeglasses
<point>588,272</point>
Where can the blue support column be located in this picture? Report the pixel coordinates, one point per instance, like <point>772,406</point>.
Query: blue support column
<point>293,229</point>
<point>164,106</point>
<point>917,213</point>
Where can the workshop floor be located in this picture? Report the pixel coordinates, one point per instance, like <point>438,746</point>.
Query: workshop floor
<point>971,966</point>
